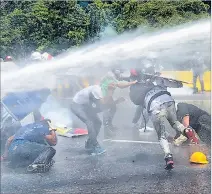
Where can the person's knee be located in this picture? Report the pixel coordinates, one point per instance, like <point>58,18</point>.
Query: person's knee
<point>89,124</point>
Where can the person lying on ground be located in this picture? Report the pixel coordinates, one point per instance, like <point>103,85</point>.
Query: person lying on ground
<point>193,117</point>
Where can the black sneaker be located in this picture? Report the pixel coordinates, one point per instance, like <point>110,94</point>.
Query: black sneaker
<point>40,168</point>
<point>169,162</point>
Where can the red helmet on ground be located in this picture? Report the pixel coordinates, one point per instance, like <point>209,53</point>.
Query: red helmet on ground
<point>8,58</point>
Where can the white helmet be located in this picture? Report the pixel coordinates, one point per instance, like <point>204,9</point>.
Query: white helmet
<point>46,56</point>
<point>36,56</point>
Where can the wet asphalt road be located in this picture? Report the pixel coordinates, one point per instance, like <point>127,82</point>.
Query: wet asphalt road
<point>132,166</point>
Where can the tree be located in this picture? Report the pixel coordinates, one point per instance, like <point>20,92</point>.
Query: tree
<point>55,26</point>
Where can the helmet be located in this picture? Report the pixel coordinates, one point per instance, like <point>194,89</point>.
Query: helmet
<point>46,56</point>
<point>198,158</point>
<point>48,122</point>
<point>117,72</point>
<point>133,72</point>
<point>8,58</point>
<point>36,56</point>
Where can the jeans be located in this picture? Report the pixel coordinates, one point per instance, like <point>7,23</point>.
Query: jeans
<point>142,114</point>
<point>22,153</point>
<point>166,112</point>
<point>195,76</point>
<point>91,120</point>
<point>109,113</point>
<point>204,129</point>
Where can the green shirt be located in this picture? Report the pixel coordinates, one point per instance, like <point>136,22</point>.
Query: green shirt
<point>106,81</point>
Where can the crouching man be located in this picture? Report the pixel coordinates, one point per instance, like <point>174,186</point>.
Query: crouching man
<point>31,147</point>
<point>86,105</point>
<point>195,118</point>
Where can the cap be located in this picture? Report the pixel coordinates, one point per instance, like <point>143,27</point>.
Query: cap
<point>97,92</point>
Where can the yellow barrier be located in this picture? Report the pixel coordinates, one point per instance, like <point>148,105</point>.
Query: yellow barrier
<point>188,77</point>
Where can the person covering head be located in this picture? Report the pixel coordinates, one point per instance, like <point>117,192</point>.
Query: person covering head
<point>35,141</point>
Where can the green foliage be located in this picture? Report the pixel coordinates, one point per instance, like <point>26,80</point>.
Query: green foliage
<point>55,26</point>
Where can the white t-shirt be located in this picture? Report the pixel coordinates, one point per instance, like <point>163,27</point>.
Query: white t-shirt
<point>82,97</point>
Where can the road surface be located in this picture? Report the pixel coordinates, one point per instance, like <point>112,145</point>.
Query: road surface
<point>133,163</point>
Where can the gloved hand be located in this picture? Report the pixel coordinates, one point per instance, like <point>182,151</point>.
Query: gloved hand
<point>191,135</point>
<point>180,140</point>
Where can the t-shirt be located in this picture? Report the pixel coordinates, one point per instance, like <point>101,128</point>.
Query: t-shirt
<point>83,96</point>
<point>34,132</point>
<point>106,81</point>
<point>184,109</point>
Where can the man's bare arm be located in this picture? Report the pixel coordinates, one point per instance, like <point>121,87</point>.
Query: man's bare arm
<point>185,121</point>
<point>125,85</point>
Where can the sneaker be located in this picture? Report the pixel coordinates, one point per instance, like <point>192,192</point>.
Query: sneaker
<point>169,162</point>
<point>191,136</point>
<point>97,151</point>
<point>40,168</point>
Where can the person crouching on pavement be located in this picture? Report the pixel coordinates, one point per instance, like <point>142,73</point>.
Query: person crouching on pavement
<point>86,105</point>
<point>31,147</point>
<point>161,108</point>
<point>109,83</point>
<point>195,118</point>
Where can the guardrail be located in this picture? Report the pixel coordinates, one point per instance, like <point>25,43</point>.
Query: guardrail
<point>66,85</point>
